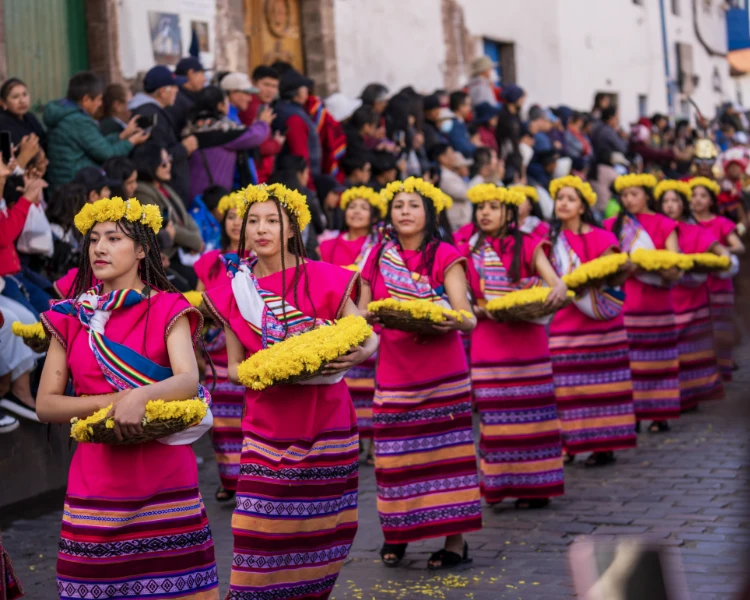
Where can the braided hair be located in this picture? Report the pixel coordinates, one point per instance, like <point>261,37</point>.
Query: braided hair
<point>296,246</point>
<point>510,230</point>
<point>587,218</point>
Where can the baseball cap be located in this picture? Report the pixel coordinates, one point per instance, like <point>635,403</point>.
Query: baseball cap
<point>158,77</point>
<point>291,81</point>
<point>189,63</point>
<point>238,82</point>
<point>94,178</point>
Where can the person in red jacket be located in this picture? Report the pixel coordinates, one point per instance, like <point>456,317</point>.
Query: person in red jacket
<point>266,81</point>
<point>18,286</point>
<point>332,137</point>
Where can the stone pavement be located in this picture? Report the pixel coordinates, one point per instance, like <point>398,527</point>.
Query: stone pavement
<point>687,488</point>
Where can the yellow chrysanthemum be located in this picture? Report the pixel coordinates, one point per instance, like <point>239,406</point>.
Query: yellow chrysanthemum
<point>675,185</point>
<point>710,260</point>
<point>303,354</point>
<point>634,180</point>
<point>115,209</point>
<point>419,309</point>
<point>521,297</point>
<point>598,268</point>
<point>486,192</point>
<point>36,330</point>
<point>660,260</point>
<point>191,412</point>
<point>528,190</point>
<point>583,187</point>
<point>364,193</point>
<point>294,202</point>
<point>705,182</point>
<point>230,201</point>
<point>440,199</point>
<point>194,298</point>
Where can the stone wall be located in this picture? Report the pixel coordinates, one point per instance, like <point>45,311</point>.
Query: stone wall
<point>103,39</point>
<point>319,45</point>
<point>231,41</point>
<point>459,47</point>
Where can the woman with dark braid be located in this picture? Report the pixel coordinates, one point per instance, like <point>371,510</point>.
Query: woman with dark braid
<point>296,499</point>
<point>134,523</point>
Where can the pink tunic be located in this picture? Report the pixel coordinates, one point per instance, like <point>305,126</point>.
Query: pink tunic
<point>64,285</point>
<point>340,250</point>
<point>720,228</point>
<point>463,234</point>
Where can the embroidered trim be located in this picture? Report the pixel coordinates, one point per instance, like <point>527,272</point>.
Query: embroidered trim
<point>215,311</point>
<point>198,330</point>
<point>50,329</point>
<point>355,280</point>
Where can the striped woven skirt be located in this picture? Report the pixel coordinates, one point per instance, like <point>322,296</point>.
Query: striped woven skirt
<point>425,463</point>
<point>722,313</point>
<point>156,547</point>
<point>654,365</point>
<point>361,382</point>
<point>699,373</point>
<point>593,387</point>
<point>295,516</point>
<point>227,408</point>
<point>520,444</point>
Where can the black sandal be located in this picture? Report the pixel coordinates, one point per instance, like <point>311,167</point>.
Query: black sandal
<point>532,503</point>
<point>449,559</point>
<point>568,459</point>
<point>658,427</point>
<point>224,495</point>
<point>397,550</point>
<point>637,426</point>
<point>600,459</point>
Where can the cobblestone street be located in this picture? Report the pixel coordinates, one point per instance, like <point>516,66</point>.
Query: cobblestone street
<point>687,488</point>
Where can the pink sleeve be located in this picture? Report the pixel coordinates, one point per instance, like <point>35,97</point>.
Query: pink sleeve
<point>445,257</point>
<point>370,270</point>
<point>727,226</point>
<point>203,265</point>
<point>56,325</point>
<point>64,285</point>
<point>219,302</point>
<point>606,240</point>
<point>609,224</point>
<point>175,307</point>
<point>530,245</point>
<point>705,240</point>
<point>338,279</point>
<point>667,226</point>
<point>326,250</point>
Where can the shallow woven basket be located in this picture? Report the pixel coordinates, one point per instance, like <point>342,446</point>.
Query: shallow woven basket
<point>152,431</point>
<point>705,270</point>
<point>38,345</point>
<point>525,312</point>
<point>403,321</point>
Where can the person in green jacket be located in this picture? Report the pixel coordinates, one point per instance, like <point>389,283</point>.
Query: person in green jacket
<point>74,138</point>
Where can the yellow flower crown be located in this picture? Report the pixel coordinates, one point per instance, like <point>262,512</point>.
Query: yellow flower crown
<point>364,193</point>
<point>635,180</point>
<point>705,182</point>
<point>230,201</point>
<point>116,209</point>
<point>583,187</point>
<point>486,192</point>
<point>440,199</point>
<point>291,200</point>
<point>527,190</point>
<point>675,185</point>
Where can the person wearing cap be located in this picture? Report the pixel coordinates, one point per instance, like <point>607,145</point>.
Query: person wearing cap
<point>458,136</point>
<point>96,182</point>
<point>509,130</point>
<point>302,137</point>
<point>453,184</point>
<point>74,138</point>
<point>159,93</point>
<point>483,79</point>
<point>486,116</point>
<point>191,78</point>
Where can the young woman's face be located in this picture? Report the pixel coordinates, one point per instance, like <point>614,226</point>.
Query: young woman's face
<point>407,213</point>
<point>634,199</point>
<point>524,210</point>
<point>491,217</point>
<point>129,185</point>
<point>112,253</point>
<point>18,101</point>
<point>264,228</point>
<point>671,204</point>
<point>164,170</point>
<point>233,226</point>
<point>701,200</point>
<point>357,214</point>
<point>568,204</point>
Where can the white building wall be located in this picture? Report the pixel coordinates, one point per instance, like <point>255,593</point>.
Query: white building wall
<point>394,42</point>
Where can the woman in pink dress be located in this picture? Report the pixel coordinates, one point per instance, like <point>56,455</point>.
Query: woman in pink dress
<point>363,210</point>
<point>296,502</point>
<point>228,398</point>
<point>699,373</point>
<point>425,462</point>
<point>520,446</point>
<point>134,524</point>
<point>587,339</point>
<point>720,290</point>
<point>649,309</point>
<point>530,217</point>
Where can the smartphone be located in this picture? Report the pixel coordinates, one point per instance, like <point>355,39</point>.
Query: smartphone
<point>399,137</point>
<point>165,215</point>
<point>6,147</point>
<point>146,121</point>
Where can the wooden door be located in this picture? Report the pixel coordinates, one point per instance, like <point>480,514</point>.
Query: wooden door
<point>274,33</point>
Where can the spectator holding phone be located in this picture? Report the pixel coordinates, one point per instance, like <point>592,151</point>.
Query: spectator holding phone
<point>75,140</point>
<point>155,187</point>
<point>159,93</point>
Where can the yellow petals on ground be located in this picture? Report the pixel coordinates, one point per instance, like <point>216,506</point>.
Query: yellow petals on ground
<point>599,268</point>
<point>304,354</point>
<point>28,331</point>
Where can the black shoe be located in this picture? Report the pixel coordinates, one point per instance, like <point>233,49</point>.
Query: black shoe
<point>448,559</point>
<point>18,408</point>
<point>397,550</point>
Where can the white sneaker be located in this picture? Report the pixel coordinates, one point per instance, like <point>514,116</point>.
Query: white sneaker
<point>8,423</point>
<point>18,408</point>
